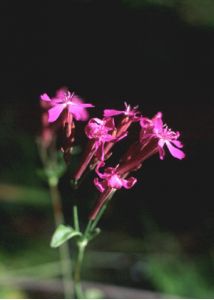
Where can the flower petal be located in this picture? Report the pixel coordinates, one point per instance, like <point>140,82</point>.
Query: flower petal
<point>54,112</point>
<point>77,109</point>
<point>107,138</point>
<point>177,153</point>
<point>157,122</point>
<point>79,113</point>
<point>129,183</point>
<point>101,186</point>
<point>100,165</point>
<point>161,152</point>
<point>45,97</point>
<point>177,144</point>
<point>109,123</point>
<point>61,93</point>
<point>112,112</point>
<point>161,143</point>
<point>92,127</point>
<point>145,122</point>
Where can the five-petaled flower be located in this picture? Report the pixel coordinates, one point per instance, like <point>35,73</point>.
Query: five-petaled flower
<point>111,179</point>
<point>155,128</point>
<point>64,99</point>
<point>101,132</point>
<point>127,117</point>
<point>130,112</point>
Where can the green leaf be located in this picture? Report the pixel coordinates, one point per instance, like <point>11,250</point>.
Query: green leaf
<point>62,234</point>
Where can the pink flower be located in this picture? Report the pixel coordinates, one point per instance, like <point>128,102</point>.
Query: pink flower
<point>154,136</point>
<point>101,131</point>
<point>155,128</point>
<point>111,179</point>
<point>65,100</point>
<point>128,112</point>
<point>129,115</point>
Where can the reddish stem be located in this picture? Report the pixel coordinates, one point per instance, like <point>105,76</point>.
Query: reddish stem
<point>103,197</point>
<point>87,157</point>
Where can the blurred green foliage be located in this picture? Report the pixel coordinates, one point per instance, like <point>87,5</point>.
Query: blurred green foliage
<point>154,260</point>
<point>174,271</point>
<point>12,293</point>
<point>181,276</point>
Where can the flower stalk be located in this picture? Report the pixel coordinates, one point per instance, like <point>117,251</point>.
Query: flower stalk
<point>82,243</point>
<point>48,157</point>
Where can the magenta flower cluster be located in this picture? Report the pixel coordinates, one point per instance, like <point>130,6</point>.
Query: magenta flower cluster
<point>154,137</point>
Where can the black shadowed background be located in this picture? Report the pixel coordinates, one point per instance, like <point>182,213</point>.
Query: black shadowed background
<point>158,54</point>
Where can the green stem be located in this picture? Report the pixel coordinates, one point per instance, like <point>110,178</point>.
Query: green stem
<point>101,212</point>
<point>78,292</point>
<point>88,229</point>
<point>64,249</point>
<point>82,243</point>
<point>98,217</point>
<point>76,218</point>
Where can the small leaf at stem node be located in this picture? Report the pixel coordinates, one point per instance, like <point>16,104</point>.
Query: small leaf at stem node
<point>62,234</point>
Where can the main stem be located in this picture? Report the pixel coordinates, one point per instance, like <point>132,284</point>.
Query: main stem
<point>63,249</point>
<point>81,245</point>
<point>78,292</point>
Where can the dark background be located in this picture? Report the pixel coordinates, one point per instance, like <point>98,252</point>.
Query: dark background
<point>158,54</point>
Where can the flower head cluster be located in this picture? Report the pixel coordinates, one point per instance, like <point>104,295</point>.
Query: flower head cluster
<point>154,138</point>
<point>104,134</point>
